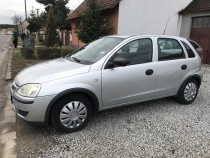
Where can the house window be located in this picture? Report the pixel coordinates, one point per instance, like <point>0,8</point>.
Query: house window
<point>201,22</point>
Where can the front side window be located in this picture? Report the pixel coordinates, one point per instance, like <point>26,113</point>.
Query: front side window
<point>169,49</point>
<point>136,52</point>
<point>94,51</point>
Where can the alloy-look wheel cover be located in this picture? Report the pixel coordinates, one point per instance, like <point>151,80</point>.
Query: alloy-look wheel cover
<point>73,114</point>
<point>190,91</point>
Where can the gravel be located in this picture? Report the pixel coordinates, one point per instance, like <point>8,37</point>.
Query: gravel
<point>160,128</point>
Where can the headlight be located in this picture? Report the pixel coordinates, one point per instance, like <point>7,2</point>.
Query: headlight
<point>29,90</point>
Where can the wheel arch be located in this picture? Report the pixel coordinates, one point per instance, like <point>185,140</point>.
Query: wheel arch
<point>89,94</point>
<point>195,77</point>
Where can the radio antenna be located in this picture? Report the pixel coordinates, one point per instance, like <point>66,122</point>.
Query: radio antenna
<point>166,26</point>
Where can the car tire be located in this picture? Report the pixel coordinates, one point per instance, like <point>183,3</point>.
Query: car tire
<point>188,91</point>
<point>71,113</point>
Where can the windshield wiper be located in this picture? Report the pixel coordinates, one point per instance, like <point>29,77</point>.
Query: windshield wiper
<point>77,60</point>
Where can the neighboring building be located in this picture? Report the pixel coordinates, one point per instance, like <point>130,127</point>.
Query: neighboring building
<point>110,9</point>
<point>1,31</point>
<point>196,25</point>
<point>10,31</point>
<point>66,37</point>
<point>65,34</point>
<point>7,31</point>
<point>186,18</point>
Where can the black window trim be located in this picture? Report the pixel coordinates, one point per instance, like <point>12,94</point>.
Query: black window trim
<point>172,58</point>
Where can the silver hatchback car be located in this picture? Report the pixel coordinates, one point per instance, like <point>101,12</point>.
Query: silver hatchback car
<point>110,72</point>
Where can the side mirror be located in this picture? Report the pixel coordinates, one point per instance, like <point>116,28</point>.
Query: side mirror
<point>109,65</point>
<point>117,62</point>
<point>120,61</point>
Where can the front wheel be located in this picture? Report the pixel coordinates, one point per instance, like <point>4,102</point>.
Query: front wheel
<point>188,92</point>
<point>71,113</point>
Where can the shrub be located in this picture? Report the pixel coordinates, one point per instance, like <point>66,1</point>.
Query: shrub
<point>28,53</point>
<point>45,53</point>
<point>65,52</point>
<point>52,53</point>
<point>60,43</point>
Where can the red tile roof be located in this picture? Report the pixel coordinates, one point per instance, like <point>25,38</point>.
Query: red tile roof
<point>197,6</point>
<point>105,4</point>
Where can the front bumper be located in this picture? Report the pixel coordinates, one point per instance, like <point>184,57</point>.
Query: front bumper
<point>30,109</point>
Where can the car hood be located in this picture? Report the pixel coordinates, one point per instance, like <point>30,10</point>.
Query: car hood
<point>50,70</point>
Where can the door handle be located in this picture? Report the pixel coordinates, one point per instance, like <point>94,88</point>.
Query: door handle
<point>184,67</point>
<point>149,72</point>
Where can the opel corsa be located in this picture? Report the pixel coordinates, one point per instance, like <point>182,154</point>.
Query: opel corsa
<point>110,72</point>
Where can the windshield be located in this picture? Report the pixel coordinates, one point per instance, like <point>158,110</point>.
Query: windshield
<point>94,51</point>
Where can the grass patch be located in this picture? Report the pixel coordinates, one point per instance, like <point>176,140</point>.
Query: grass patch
<point>19,63</point>
<point>28,57</point>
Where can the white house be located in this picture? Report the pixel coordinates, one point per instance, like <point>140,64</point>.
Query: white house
<point>170,17</point>
<point>150,16</point>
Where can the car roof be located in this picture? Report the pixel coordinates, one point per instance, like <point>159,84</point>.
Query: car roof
<point>133,36</point>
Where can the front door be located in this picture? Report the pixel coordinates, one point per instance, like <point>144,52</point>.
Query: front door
<point>131,83</point>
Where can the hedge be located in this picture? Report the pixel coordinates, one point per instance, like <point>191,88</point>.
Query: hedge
<point>45,53</point>
<point>28,53</point>
<point>52,53</point>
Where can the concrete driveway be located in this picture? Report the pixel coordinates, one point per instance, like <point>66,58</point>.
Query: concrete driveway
<point>160,128</point>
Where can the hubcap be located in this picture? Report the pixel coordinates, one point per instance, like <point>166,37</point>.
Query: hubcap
<point>73,114</point>
<point>190,91</point>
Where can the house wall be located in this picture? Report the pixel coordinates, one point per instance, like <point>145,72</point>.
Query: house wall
<point>150,16</point>
<point>187,22</point>
<point>112,15</point>
<point>75,40</point>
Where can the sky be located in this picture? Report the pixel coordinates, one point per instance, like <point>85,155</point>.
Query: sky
<point>9,7</point>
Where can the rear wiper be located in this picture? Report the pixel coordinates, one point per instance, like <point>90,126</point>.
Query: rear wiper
<point>77,60</point>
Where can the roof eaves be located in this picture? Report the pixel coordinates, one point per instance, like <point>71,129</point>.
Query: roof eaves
<point>74,14</point>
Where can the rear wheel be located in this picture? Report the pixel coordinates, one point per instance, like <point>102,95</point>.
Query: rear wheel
<point>71,113</point>
<point>188,92</point>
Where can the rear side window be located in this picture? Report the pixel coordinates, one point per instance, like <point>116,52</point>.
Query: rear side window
<point>194,45</point>
<point>189,50</point>
<point>169,49</point>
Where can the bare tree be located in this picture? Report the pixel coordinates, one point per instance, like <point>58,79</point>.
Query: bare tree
<point>17,20</point>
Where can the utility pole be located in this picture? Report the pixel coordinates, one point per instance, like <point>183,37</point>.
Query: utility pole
<point>37,11</point>
<point>25,11</point>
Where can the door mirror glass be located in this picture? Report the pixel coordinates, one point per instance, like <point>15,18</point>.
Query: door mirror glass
<point>120,61</point>
<point>110,65</point>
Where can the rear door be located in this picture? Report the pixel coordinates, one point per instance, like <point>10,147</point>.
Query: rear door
<point>172,66</point>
